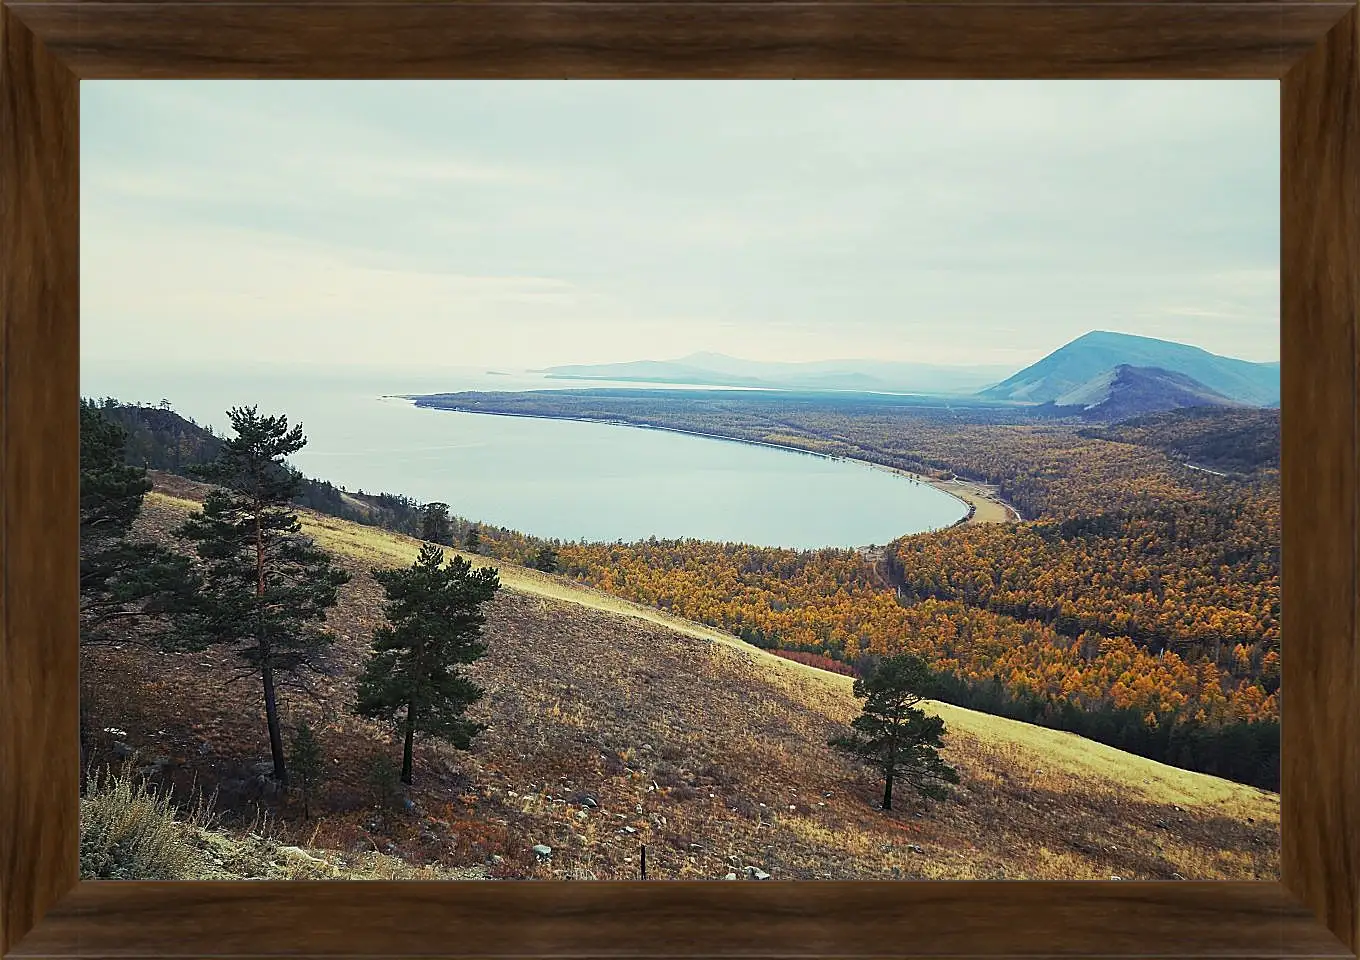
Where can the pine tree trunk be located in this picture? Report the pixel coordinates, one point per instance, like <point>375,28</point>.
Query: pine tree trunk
<point>271,706</point>
<point>887,790</point>
<point>410,740</point>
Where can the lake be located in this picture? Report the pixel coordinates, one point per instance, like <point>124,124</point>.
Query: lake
<point>553,478</point>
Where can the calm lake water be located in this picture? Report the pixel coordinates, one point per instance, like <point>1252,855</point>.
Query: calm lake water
<point>552,478</point>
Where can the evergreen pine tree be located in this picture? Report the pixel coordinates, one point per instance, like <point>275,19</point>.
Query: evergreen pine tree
<point>472,541</point>
<point>435,620</point>
<point>266,587</point>
<point>435,525</point>
<point>122,580</point>
<point>894,736</point>
<point>308,764</point>
<point>545,559</point>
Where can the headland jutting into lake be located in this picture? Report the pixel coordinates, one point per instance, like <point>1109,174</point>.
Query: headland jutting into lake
<point>980,499</point>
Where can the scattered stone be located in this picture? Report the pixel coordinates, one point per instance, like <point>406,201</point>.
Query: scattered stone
<point>915,848</point>
<point>589,801</point>
<point>827,795</point>
<point>630,829</point>
<point>1161,824</point>
<point>734,860</point>
<point>1114,878</point>
<point>1177,876</point>
<point>300,855</point>
<point>497,858</point>
<point>543,851</point>
<point>582,815</point>
<point>730,876</point>
<point>886,848</point>
<point>114,731</point>
<point>755,873</point>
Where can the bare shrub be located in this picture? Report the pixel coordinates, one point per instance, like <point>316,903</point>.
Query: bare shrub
<point>128,831</point>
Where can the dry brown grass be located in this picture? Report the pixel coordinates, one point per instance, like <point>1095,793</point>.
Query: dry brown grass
<point>130,831</point>
<point>710,752</point>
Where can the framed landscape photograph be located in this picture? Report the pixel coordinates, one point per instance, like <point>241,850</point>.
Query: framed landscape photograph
<point>679,480</point>
<point>410,555</point>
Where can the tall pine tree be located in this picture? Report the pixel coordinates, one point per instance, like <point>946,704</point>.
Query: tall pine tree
<point>266,587</point>
<point>435,621</point>
<point>308,761</point>
<point>893,735</point>
<point>122,581</point>
<point>435,525</point>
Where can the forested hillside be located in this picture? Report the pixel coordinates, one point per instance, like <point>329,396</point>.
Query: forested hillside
<point>611,727</point>
<point>1242,441</point>
<point>160,439</point>
<point>1139,606</point>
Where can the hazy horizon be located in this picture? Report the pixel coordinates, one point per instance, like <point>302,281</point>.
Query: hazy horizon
<point>417,225</point>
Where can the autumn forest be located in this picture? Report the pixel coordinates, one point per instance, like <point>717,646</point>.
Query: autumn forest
<point>1137,602</point>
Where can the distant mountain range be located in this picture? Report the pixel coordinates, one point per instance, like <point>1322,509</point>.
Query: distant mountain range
<point>1128,391</point>
<point>1071,367</point>
<point>1102,375</point>
<point>718,370</point>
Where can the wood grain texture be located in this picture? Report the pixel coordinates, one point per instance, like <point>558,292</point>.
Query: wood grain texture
<point>680,919</point>
<point>438,38</point>
<point>39,765</point>
<point>1320,233</point>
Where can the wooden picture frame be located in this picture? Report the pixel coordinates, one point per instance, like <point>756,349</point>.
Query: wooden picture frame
<point>48,46</point>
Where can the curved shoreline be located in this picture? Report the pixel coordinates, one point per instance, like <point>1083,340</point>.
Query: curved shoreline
<point>981,506</point>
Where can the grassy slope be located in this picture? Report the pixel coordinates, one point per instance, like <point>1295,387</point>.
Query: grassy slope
<point>712,752</point>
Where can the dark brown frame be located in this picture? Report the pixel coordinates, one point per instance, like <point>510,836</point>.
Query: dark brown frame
<point>46,47</point>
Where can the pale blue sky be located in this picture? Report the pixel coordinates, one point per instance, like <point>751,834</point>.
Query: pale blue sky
<point>521,223</point>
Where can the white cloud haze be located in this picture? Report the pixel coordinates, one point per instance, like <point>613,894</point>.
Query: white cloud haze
<point>529,223</point>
